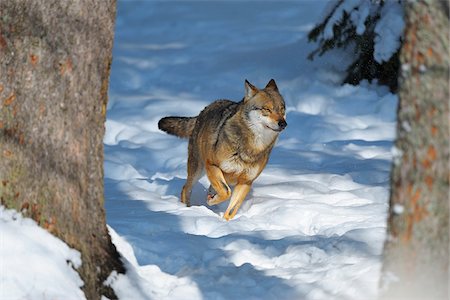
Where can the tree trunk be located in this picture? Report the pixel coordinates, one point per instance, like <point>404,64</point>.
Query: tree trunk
<point>55,59</point>
<point>416,255</point>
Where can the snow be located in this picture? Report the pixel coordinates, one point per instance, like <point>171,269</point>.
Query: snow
<point>314,222</point>
<point>147,282</point>
<point>388,29</point>
<point>398,209</point>
<point>358,10</point>
<point>313,225</point>
<point>34,264</point>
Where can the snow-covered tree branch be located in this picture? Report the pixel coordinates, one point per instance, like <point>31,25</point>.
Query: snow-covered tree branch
<point>372,29</point>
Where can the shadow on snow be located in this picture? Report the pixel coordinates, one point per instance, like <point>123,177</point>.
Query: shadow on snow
<point>157,238</point>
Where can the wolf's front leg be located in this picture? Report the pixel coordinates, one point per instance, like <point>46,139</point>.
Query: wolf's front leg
<point>240,192</point>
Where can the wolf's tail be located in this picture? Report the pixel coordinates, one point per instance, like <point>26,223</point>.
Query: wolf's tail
<point>179,126</point>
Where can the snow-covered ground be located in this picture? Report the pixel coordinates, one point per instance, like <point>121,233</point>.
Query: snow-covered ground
<point>314,223</point>
<point>33,263</point>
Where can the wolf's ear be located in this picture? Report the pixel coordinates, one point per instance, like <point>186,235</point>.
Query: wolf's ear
<point>272,85</point>
<point>250,90</point>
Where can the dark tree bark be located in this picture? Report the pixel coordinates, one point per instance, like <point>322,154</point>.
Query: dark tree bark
<point>416,255</point>
<point>55,59</point>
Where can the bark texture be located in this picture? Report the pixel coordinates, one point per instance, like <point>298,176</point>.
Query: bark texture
<point>55,59</point>
<point>416,255</point>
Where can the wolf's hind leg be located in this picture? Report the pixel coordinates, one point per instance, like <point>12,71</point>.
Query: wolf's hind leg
<point>218,183</point>
<point>194,171</point>
<point>187,188</point>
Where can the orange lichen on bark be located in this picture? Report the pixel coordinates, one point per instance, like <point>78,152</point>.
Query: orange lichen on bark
<point>430,157</point>
<point>50,225</point>
<point>25,206</point>
<point>41,109</point>
<point>432,112</point>
<point>21,139</point>
<point>34,59</point>
<point>429,182</point>
<point>431,153</point>
<point>420,58</point>
<point>8,101</point>
<point>434,130</point>
<point>415,198</point>
<point>35,212</point>
<point>418,212</point>
<point>410,39</point>
<point>7,153</point>
<point>65,66</point>
<point>409,226</point>
<point>426,163</point>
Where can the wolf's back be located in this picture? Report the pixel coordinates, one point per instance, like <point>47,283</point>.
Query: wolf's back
<point>178,126</point>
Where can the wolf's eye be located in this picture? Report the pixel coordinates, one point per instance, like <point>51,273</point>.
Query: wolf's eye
<point>266,110</point>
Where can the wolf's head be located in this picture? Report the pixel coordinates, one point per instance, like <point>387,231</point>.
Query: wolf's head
<point>265,109</point>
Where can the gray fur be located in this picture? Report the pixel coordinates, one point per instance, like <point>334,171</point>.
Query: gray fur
<point>179,126</point>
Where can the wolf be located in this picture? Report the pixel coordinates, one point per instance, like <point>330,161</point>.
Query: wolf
<point>231,142</point>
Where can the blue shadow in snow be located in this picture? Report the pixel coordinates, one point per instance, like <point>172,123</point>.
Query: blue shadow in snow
<point>157,238</point>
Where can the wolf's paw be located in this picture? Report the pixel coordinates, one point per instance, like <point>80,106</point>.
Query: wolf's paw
<point>227,217</point>
<point>213,200</point>
<point>185,201</point>
<point>211,195</point>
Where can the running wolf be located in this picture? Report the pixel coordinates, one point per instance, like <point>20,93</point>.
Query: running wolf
<point>231,141</point>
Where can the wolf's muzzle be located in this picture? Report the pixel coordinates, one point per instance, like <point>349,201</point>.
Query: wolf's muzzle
<point>282,124</point>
